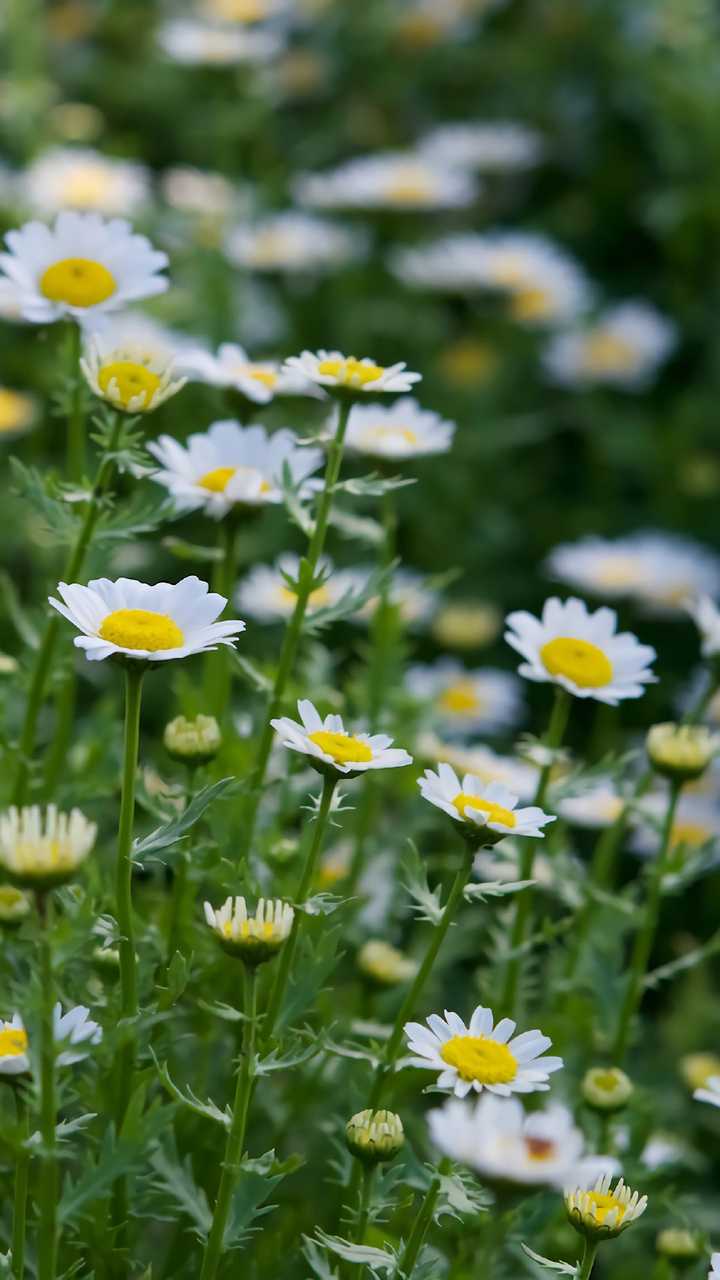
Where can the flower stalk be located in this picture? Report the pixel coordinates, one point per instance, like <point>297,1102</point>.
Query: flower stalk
<point>22,1170</point>
<point>76,414</point>
<point>422,1223</point>
<point>588,1260</point>
<point>47,1242</point>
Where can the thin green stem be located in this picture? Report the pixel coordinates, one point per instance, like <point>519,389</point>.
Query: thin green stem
<point>76,416</point>
<point>291,640</point>
<point>236,1136</point>
<point>307,879</point>
<point>588,1260</point>
<point>48,1179</point>
<point>422,1224</point>
<point>45,653</point>
<point>134,673</point>
<point>524,904</point>
<point>363,1214</point>
<point>217,664</point>
<point>178,895</point>
<point>22,1169</point>
<point>645,936</point>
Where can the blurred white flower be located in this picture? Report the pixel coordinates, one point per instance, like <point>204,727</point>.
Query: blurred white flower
<point>74,1028</point>
<point>661,571</point>
<point>599,805</point>
<point>493,146</point>
<point>85,180</point>
<point>388,180</point>
<point>203,43</point>
<point>706,616</point>
<point>482,700</point>
<point>696,822</point>
<point>409,593</point>
<point>293,241</point>
<point>624,347</point>
<point>517,775</point>
<point>266,595</point>
<point>400,431</point>
<point>198,192</point>
<point>257,380</point>
<point>714,1271</point>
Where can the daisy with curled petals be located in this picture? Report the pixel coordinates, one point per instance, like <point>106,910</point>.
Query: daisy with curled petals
<point>129,363</point>
<point>230,466</point>
<point>82,266</point>
<point>481,1055</point>
<point>487,810</point>
<point>257,380</point>
<point>604,1211</point>
<point>148,623</point>
<point>14,1059</point>
<point>581,651</point>
<point>331,749</point>
<point>399,431</point>
<point>348,375</point>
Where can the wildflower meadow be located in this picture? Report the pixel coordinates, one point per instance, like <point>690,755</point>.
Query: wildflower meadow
<point>359,640</point>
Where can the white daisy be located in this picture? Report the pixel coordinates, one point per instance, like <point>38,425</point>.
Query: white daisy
<point>600,805</point>
<point>493,146</point>
<point>696,823</point>
<point>483,700</point>
<point>661,571</point>
<point>409,594</point>
<point>42,847</point>
<point>388,180</point>
<point>399,431</point>
<point>81,266</point>
<point>502,1143</point>
<point>714,1271</point>
<point>229,465</point>
<point>212,44</point>
<point>129,362</point>
<point>257,380</point>
<point>604,1211</point>
<point>198,192</point>
<point>710,1093</point>
<point>75,1028</point>
<point>489,806</point>
<point>483,763</point>
<point>267,595</point>
<point>85,180</point>
<point>480,1055</point>
<point>623,348</point>
<point>152,623</point>
<point>348,374</point>
<point>14,1059</point>
<point>706,616</point>
<point>329,746</point>
<point>255,936</point>
<point>293,241</point>
<point>580,651</point>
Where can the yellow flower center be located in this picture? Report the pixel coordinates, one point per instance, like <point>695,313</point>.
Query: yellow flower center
<point>577,660</point>
<point>237,10</point>
<point>343,748</point>
<point>250,929</point>
<point>690,833</point>
<point>129,381</point>
<point>539,1148</point>
<point>618,571</point>
<point>602,1203</point>
<point>350,372</point>
<point>607,353</point>
<point>86,187</point>
<point>218,480</point>
<point>13,1042</point>
<point>460,698</point>
<point>495,812</point>
<point>79,282</point>
<point>16,410</point>
<point>531,304</point>
<point>266,376</point>
<point>376,435</point>
<point>468,363</point>
<point>317,598</point>
<point>141,629</point>
<point>410,188</point>
<point>480,1058</point>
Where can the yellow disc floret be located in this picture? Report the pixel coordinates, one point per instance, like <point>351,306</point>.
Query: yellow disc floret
<point>141,629</point>
<point>350,372</point>
<point>342,747</point>
<point>495,812</point>
<point>16,410</point>
<point>606,353</point>
<point>13,1042</point>
<point>459,698</point>
<point>602,1203</point>
<point>578,660</point>
<point>217,481</point>
<point>124,381</point>
<point>79,282</point>
<point>480,1059</point>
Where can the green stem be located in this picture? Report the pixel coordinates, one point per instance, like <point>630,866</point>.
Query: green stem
<point>76,416</point>
<point>48,1180</point>
<point>291,640</point>
<point>45,653</point>
<point>22,1169</point>
<point>176,913</point>
<point>422,1223</point>
<point>306,882</point>
<point>236,1136</point>
<point>134,673</point>
<point>217,664</point>
<point>363,1214</point>
<point>523,906</point>
<point>588,1260</point>
<point>645,936</point>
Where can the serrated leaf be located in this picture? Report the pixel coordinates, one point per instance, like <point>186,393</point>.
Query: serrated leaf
<point>321,904</point>
<point>298,1053</point>
<point>252,673</point>
<point>177,828</point>
<point>183,550</point>
<point>351,601</point>
<point>363,528</point>
<point>564,1268</point>
<point>362,1254</point>
<point>208,1110</point>
<point>495,889</point>
<point>426,902</point>
<point>460,1194</point>
<point>16,613</point>
<point>257,1180</point>
<point>173,1189</point>
<point>373,485</point>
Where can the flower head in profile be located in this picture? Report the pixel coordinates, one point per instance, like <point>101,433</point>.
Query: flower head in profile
<point>374,1136</point>
<point>152,623</point>
<point>604,1211</point>
<point>583,652</point>
<point>597,805</point>
<point>481,1055</point>
<point>409,593</point>
<point>293,242</point>
<point>81,267</point>
<point>662,572</point>
<point>403,180</point>
<point>330,749</point>
<point>710,1092</point>
<point>86,181</point>
<point>484,764</point>
<point>40,848</point>
<point>253,936</point>
<point>623,348</point>
<point>14,1059</point>
<point>230,466</point>
<point>268,593</point>
<point>258,380</point>
<point>398,432</point>
<point>74,1029</point>
<point>493,146</point>
<point>348,375</point>
<point>129,362</point>
<point>487,810</point>
<point>192,742</point>
<point>466,701</point>
<point>15,906</point>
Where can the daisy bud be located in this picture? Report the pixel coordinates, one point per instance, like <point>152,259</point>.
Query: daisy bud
<point>42,848</point>
<point>374,1136</point>
<point>604,1211</point>
<point>106,959</point>
<point>681,751</point>
<point>252,938</point>
<point>384,965</point>
<point>14,906</point>
<point>606,1088</point>
<point>192,742</point>
<point>678,1244</point>
<point>466,625</point>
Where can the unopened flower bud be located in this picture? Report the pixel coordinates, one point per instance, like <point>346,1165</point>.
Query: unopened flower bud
<point>192,742</point>
<point>384,964</point>
<point>253,938</point>
<point>678,1244</point>
<point>14,906</point>
<point>374,1136</point>
<point>606,1088</point>
<point>681,751</point>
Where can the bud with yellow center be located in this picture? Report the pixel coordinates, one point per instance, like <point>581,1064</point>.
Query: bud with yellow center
<point>252,938</point>
<point>384,965</point>
<point>15,906</point>
<point>42,848</point>
<point>678,1244</point>
<point>604,1211</point>
<point>681,751</point>
<point>192,742</point>
<point>606,1088</point>
<point>374,1136</point>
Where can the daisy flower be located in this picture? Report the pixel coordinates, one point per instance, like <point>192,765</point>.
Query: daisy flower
<point>409,594</point>
<point>14,1059</point>
<point>74,1028</point>
<point>604,1211</point>
<point>194,43</point>
<point>82,266</point>
<point>709,1093</point>
<point>292,242</point>
<point>483,763</point>
<point>256,936</point>
<point>84,180</point>
<point>330,747</point>
<point>581,651</point>
<point>229,465</point>
<point>623,348</point>
<point>129,362</point>
<point>257,380</point>
<point>152,623</point>
<point>493,146</point>
<point>598,806</point>
<point>706,616</point>
<point>480,1055</point>
<point>44,847</point>
<point>714,1271</point>
<point>661,571</point>
<point>400,431</point>
<point>267,595</point>
<point>388,180</point>
<point>489,806</point>
<point>502,1143</point>
<point>348,374</point>
<point>484,700</point>
<point>198,192</point>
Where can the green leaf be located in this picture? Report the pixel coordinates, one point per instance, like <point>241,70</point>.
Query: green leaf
<point>208,1110</point>
<point>564,1268</point>
<point>252,673</point>
<point>173,1190</point>
<point>426,902</point>
<point>43,498</point>
<point>16,613</point>
<point>183,550</point>
<point>495,889</point>
<point>374,485</point>
<point>177,828</point>
<point>362,1254</point>
<point>257,1180</point>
